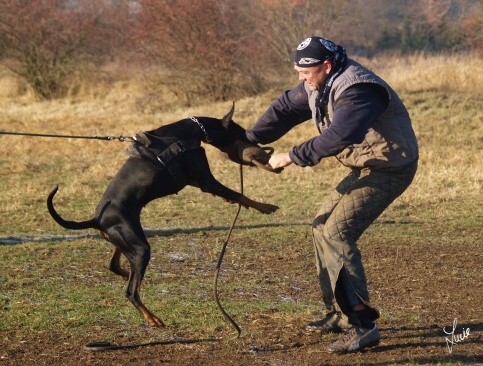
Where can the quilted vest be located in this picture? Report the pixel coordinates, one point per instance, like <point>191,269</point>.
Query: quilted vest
<point>390,141</point>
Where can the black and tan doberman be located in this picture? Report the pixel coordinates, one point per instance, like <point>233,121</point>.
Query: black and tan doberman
<point>162,162</point>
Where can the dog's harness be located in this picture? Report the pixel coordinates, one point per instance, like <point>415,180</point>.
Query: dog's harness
<point>162,152</point>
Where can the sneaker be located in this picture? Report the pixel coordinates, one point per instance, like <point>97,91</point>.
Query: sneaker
<point>355,339</point>
<point>333,322</point>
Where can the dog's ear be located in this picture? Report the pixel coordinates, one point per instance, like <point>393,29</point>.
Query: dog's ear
<point>226,120</point>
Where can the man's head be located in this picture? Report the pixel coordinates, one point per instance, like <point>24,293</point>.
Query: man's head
<point>314,76</point>
<point>314,59</point>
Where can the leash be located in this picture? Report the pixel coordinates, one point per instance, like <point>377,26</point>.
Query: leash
<point>220,259</point>
<point>119,138</point>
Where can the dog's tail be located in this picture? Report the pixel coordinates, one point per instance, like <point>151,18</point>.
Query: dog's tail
<point>72,225</point>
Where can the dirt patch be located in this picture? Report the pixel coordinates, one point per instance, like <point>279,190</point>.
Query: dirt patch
<point>280,346</point>
<point>422,286</point>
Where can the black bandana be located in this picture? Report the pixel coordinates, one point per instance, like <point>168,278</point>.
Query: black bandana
<point>312,52</point>
<point>315,50</point>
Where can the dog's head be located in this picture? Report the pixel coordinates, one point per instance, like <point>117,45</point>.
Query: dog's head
<point>229,137</point>
<point>224,134</point>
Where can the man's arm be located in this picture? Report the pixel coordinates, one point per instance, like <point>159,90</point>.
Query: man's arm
<point>289,110</point>
<point>354,111</point>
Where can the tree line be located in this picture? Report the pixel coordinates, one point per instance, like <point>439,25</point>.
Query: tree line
<point>217,49</point>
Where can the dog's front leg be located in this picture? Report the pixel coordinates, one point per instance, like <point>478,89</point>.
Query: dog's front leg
<point>207,183</point>
<point>212,191</point>
<point>246,202</point>
<point>240,199</point>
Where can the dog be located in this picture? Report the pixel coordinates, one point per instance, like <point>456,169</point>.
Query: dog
<point>162,162</point>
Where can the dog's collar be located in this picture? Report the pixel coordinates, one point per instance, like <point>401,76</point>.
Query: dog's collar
<point>195,120</point>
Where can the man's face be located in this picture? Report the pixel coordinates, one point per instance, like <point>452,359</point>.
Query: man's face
<point>314,76</point>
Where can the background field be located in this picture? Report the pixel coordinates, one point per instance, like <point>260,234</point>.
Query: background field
<point>423,256</point>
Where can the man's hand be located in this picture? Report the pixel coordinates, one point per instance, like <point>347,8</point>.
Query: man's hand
<point>280,160</point>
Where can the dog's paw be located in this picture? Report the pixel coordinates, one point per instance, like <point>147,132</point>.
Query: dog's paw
<point>154,321</point>
<point>266,208</point>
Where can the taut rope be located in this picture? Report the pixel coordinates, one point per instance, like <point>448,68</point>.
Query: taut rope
<point>120,138</point>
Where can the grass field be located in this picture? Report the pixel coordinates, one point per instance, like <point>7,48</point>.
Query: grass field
<point>423,256</point>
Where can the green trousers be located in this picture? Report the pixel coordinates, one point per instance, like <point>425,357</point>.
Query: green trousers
<point>356,202</point>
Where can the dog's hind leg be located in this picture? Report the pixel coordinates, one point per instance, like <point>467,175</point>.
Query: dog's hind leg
<point>137,251</point>
<point>115,264</point>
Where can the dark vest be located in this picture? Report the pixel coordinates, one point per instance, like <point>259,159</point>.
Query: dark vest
<point>390,141</point>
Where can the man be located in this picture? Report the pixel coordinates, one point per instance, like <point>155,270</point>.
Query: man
<point>363,123</point>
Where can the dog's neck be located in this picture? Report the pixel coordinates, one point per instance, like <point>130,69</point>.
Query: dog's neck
<point>195,120</point>
<point>183,130</point>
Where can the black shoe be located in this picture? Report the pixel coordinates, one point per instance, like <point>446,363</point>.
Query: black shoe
<point>333,322</point>
<point>355,339</point>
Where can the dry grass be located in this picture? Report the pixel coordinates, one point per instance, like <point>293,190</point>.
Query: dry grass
<point>460,73</point>
<point>421,256</point>
<point>443,94</point>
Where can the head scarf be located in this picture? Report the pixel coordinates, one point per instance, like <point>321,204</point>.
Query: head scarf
<point>314,51</point>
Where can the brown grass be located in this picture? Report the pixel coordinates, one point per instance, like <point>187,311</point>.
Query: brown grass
<point>422,256</point>
<point>443,94</point>
<point>460,73</point>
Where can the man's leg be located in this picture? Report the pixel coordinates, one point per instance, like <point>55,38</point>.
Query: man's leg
<point>369,196</point>
<point>334,320</point>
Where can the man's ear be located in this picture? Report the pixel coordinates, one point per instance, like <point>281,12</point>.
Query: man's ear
<point>327,67</point>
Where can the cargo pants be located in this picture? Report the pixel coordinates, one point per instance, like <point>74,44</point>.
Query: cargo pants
<point>352,207</point>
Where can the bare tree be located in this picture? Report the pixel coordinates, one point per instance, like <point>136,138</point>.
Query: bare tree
<point>281,25</point>
<point>199,42</point>
<point>472,26</point>
<point>46,41</point>
<point>432,25</point>
<point>216,49</point>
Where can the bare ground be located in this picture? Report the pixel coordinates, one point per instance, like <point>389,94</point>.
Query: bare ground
<point>421,286</point>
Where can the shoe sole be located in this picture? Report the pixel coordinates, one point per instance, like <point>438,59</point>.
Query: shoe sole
<point>325,330</point>
<point>369,345</point>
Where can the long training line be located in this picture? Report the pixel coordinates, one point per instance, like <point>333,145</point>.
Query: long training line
<point>120,138</point>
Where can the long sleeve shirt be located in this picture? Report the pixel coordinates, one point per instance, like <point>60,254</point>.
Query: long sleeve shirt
<point>354,111</point>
